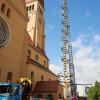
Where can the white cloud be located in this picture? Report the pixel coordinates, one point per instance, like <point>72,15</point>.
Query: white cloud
<point>86,60</point>
<point>97,37</point>
<point>78,42</point>
<point>56,68</point>
<point>83,52</point>
<point>87,13</point>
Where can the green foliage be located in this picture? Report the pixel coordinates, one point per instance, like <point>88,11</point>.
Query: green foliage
<point>94,92</point>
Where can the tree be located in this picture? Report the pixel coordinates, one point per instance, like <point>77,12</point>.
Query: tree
<point>94,92</point>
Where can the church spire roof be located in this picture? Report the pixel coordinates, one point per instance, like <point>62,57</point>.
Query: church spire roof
<point>41,1</point>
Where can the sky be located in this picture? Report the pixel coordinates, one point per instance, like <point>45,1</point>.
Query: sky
<point>85,32</point>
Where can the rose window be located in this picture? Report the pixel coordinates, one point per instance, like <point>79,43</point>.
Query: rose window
<point>4,33</point>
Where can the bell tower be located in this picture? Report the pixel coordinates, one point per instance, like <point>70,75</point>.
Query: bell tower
<point>36,24</point>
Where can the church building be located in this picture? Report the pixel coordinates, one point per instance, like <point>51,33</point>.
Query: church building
<point>22,47</point>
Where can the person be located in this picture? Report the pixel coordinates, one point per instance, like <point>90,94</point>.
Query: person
<point>26,89</point>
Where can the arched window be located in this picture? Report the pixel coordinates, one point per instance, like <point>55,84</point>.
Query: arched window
<point>30,8</point>
<point>27,8</point>
<point>28,56</point>
<point>40,21</point>
<point>60,97</point>
<point>44,63</point>
<point>33,7</point>
<point>9,77</point>
<point>42,77</point>
<point>36,57</point>
<point>29,52</point>
<point>0,74</point>
<point>32,75</point>
<point>8,12</point>
<point>3,7</point>
<point>42,12</point>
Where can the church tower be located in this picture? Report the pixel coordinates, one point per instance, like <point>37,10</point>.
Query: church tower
<point>36,24</point>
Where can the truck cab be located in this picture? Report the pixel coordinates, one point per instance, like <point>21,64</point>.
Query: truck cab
<point>10,91</point>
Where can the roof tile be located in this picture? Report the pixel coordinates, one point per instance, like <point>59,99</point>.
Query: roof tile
<point>46,86</point>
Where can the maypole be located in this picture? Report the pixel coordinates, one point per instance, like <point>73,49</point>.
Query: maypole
<point>65,32</point>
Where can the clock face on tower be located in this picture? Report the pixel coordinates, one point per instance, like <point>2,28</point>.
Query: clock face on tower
<point>4,33</point>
